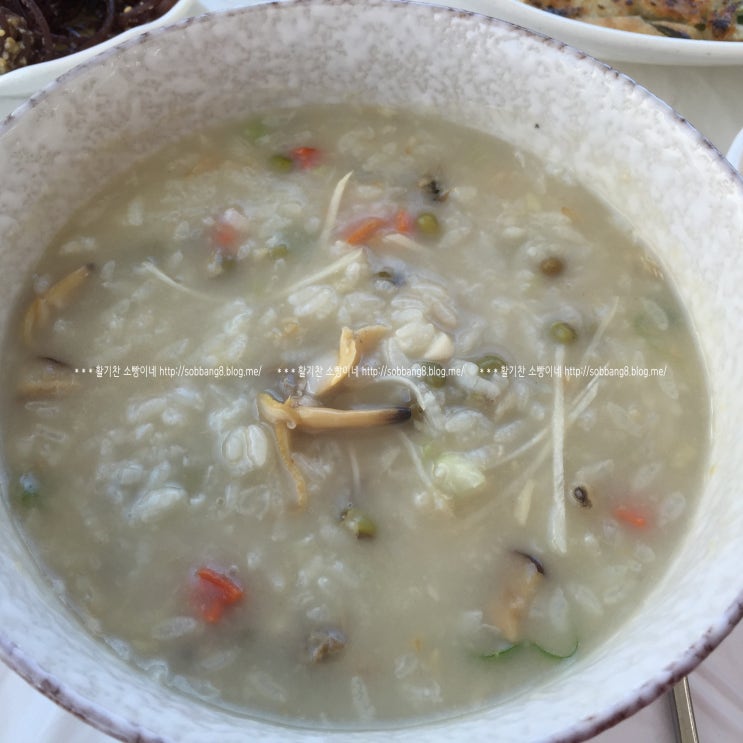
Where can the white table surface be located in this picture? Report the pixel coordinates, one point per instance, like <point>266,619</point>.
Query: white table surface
<point>711,98</point>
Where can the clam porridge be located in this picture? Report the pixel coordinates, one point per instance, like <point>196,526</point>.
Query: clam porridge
<point>344,416</point>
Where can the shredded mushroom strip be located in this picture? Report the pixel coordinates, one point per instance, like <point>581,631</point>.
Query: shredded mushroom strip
<point>150,268</point>
<point>600,330</point>
<point>345,260</point>
<point>557,526</point>
<point>493,462</point>
<point>578,406</point>
<point>332,214</point>
<point>403,241</point>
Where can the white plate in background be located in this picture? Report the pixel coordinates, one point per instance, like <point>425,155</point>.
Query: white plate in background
<point>609,43</point>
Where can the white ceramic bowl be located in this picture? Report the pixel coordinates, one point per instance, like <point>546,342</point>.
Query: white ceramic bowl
<point>683,197</point>
<point>22,83</point>
<point>735,152</point>
<point>611,44</point>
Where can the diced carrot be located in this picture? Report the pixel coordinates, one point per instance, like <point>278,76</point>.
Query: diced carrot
<point>306,157</point>
<point>364,230</point>
<point>212,611</point>
<point>205,164</point>
<point>213,593</point>
<point>404,222</point>
<point>634,516</point>
<point>225,237</point>
<point>230,591</point>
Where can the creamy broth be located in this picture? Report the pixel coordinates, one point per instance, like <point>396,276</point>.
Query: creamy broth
<point>350,417</point>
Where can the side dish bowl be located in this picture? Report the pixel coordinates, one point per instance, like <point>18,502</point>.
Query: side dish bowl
<point>576,114</point>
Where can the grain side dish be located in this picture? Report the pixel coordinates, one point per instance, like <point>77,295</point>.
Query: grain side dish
<point>33,31</point>
<point>714,20</point>
<point>348,417</point>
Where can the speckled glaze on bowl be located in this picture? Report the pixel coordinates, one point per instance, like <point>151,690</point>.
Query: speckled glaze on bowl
<point>682,196</point>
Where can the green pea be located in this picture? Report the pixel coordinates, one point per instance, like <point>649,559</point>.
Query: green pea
<point>279,251</point>
<point>428,224</point>
<point>433,374</point>
<point>491,364</point>
<point>564,333</point>
<point>358,523</point>
<point>281,163</point>
<point>227,262</point>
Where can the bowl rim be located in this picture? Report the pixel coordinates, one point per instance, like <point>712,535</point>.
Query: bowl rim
<point>106,720</point>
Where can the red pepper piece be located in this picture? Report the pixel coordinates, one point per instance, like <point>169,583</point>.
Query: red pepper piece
<point>306,157</point>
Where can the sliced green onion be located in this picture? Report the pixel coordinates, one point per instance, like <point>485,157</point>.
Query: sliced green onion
<point>495,655</point>
<point>281,163</point>
<point>556,656</point>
